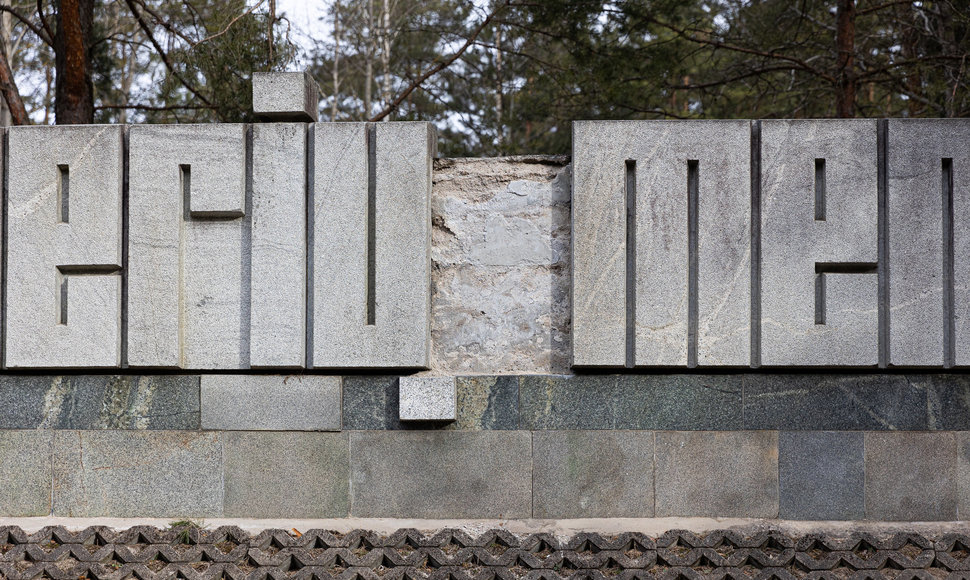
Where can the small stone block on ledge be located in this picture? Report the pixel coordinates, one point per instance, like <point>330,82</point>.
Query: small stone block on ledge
<point>285,96</point>
<point>428,399</point>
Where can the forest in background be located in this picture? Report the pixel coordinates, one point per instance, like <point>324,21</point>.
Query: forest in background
<point>497,77</point>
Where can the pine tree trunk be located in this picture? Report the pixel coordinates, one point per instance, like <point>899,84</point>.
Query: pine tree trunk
<point>74,90</point>
<point>845,83</point>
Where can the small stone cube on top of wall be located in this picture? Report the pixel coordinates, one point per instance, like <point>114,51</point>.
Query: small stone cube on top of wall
<point>428,399</point>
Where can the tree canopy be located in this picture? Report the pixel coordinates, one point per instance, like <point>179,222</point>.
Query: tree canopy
<point>495,76</point>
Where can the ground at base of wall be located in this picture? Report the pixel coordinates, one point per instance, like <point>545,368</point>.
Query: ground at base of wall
<point>740,549</point>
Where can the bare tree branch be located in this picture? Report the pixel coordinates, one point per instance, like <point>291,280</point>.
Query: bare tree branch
<point>8,86</point>
<point>154,108</point>
<point>163,55</point>
<point>40,32</point>
<point>440,66</point>
<point>228,26</point>
<point>43,20</point>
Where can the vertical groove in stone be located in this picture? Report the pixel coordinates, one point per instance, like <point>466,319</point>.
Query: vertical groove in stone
<point>4,153</point>
<point>693,188</point>
<point>64,193</point>
<point>631,262</point>
<point>309,243</point>
<point>371,223</point>
<point>949,349</point>
<point>755,244</point>
<point>820,190</point>
<point>246,267</point>
<point>124,247</point>
<point>882,268</point>
<point>819,298</point>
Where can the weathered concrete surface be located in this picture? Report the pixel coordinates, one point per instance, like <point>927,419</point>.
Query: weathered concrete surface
<point>500,265</point>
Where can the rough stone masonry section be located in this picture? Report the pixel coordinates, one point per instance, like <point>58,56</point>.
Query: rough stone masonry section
<point>500,255</point>
<point>901,476</point>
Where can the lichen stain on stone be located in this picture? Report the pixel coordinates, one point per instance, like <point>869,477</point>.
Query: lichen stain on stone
<point>115,403</point>
<point>53,403</point>
<point>141,406</point>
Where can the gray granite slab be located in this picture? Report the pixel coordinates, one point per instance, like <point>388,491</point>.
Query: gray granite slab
<point>25,473</point>
<point>487,402</point>
<point>291,96</point>
<point>916,329</point>
<point>271,402</point>
<point>372,309</point>
<point>441,474</point>
<point>911,476</point>
<point>804,249</point>
<point>717,474</point>
<point>278,320</point>
<point>189,225</point>
<point>99,402</point>
<point>427,399</point>
<point>370,402</point>
<point>286,475</point>
<point>653,157</point>
<point>821,475</point>
<point>833,402</point>
<point>592,474</point>
<point>164,474</point>
<point>63,255</point>
<point>686,402</point>
<point>947,400</point>
<point>963,476</point>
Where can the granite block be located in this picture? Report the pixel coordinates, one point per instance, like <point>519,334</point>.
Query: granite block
<point>838,402</point>
<point>819,243</point>
<point>189,237</point>
<point>25,473</point>
<point>370,402</point>
<point>63,254</point>
<point>963,476</point>
<point>285,96</point>
<point>99,402</point>
<point>487,403</point>
<point>654,158</point>
<point>915,209</point>
<point>279,247</point>
<point>441,474</point>
<point>687,402</point>
<point>717,474</point>
<point>286,475</point>
<point>947,400</point>
<point>427,398</point>
<point>484,402</point>
<point>911,476</point>
<point>821,475</point>
<point>592,474</point>
<point>164,474</point>
<point>271,402</point>
<point>372,189</point>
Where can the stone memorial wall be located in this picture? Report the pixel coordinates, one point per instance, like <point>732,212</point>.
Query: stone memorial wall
<point>293,319</point>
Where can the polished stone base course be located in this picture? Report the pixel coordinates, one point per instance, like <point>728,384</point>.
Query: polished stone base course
<point>228,552</point>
